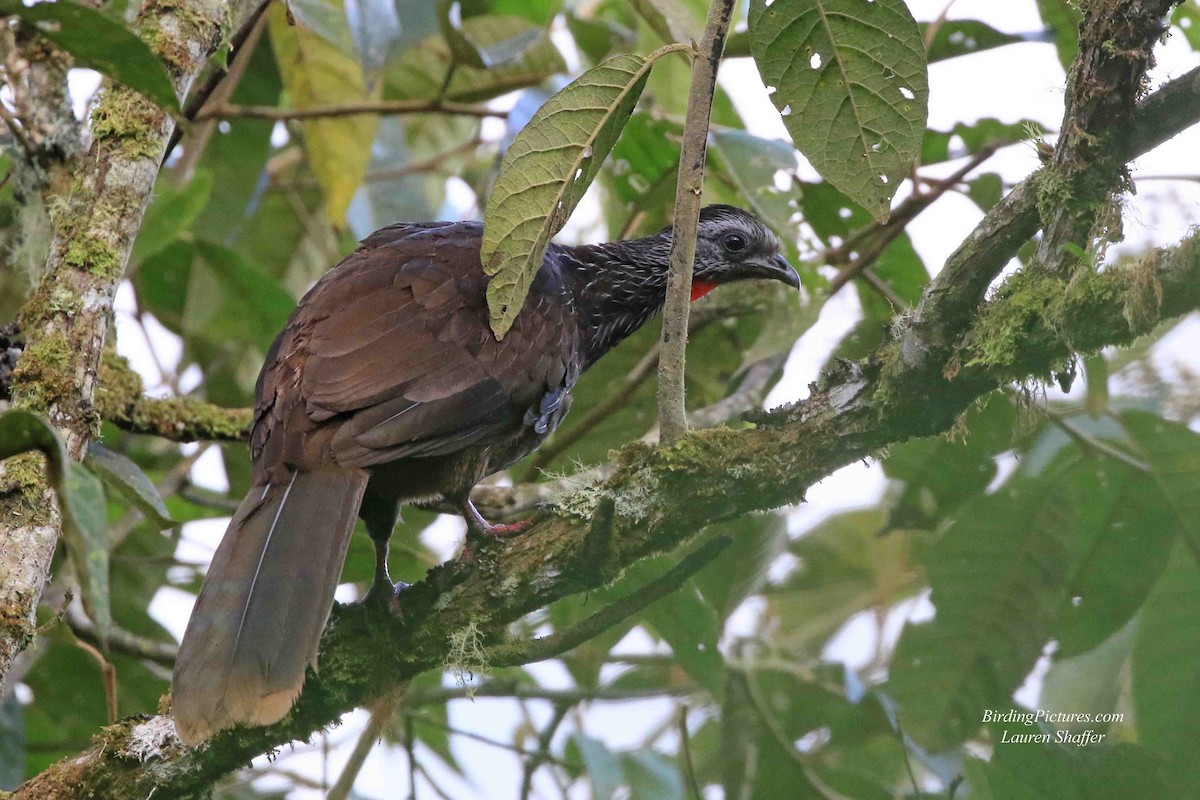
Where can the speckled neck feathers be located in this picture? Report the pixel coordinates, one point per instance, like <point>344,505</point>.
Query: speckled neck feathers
<point>618,286</point>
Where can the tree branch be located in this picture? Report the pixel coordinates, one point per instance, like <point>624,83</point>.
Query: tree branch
<point>671,413</point>
<point>349,110</point>
<point>120,400</point>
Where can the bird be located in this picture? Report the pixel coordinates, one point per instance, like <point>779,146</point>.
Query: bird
<point>386,387</point>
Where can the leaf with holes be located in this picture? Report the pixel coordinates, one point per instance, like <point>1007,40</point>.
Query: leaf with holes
<point>850,82</point>
<point>545,172</point>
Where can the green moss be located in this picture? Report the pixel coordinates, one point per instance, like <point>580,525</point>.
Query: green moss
<point>188,26</point>
<point>25,479</point>
<point>93,254</point>
<point>44,373</point>
<point>129,120</point>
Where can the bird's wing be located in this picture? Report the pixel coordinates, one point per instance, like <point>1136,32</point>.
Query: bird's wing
<point>390,355</point>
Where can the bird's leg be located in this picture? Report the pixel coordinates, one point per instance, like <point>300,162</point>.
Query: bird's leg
<point>479,529</point>
<point>478,525</point>
<point>380,516</point>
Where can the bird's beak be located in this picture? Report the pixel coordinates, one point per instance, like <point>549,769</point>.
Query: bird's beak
<point>776,268</point>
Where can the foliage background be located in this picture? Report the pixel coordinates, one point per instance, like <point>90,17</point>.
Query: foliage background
<point>1048,529</point>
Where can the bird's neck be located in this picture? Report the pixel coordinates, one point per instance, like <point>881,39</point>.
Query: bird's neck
<point>618,286</point>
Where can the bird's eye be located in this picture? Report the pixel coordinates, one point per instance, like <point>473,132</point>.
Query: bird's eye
<point>735,242</point>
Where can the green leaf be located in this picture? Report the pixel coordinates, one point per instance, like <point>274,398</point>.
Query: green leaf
<point>651,776</point>
<point>420,72</point>
<point>127,478</point>
<point>1173,452</point>
<point>101,43</point>
<point>253,304</point>
<point>172,211</point>
<point>317,73</point>
<point>1062,17</point>
<point>939,474</point>
<point>672,20</point>
<point>1166,671</point>
<point>851,84</point>
<point>645,157</point>
<point>545,172</point>
<point>603,766</point>
<point>1118,556</point>
<point>846,566</point>
<point>1186,19</point>
<point>997,575</point>
<point>962,37</point>
<point>751,163</point>
<point>87,543</point>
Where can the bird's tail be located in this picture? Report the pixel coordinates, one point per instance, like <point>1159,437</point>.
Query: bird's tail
<point>264,602</point>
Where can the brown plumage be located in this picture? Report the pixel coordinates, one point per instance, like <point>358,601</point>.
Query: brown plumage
<point>387,387</point>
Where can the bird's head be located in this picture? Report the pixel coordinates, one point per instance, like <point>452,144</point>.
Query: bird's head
<point>734,245</point>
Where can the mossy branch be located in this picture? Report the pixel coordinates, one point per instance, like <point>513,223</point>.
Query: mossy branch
<point>120,400</point>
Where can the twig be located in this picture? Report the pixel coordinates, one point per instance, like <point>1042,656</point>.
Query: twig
<point>349,110</point>
<point>685,751</point>
<point>122,641</point>
<point>502,688</point>
<point>545,738</point>
<point>108,675</point>
<point>16,130</point>
<point>872,240</point>
<point>219,93</point>
<point>200,96</point>
<point>381,714</point>
<point>527,652</point>
<point>671,411</point>
<point>478,737</point>
<point>1094,445</point>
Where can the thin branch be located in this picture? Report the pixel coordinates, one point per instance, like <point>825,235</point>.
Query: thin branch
<point>511,689</point>
<point>350,110</point>
<point>545,738</point>
<point>528,652</point>
<point>199,97</point>
<point>218,94</point>
<point>15,128</point>
<point>864,247</point>
<point>122,641</point>
<point>685,751</point>
<point>1091,444</point>
<point>381,715</point>
<point>671,410</point>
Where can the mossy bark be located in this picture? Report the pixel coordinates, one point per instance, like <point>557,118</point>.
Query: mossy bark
<point>95,218</point>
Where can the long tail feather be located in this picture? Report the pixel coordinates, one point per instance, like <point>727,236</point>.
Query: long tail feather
<point>264,602</point>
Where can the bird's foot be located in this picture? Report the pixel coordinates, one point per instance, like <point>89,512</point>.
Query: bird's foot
<point>385,595</point>
<point>479,529</point>
<point>479,526</point>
